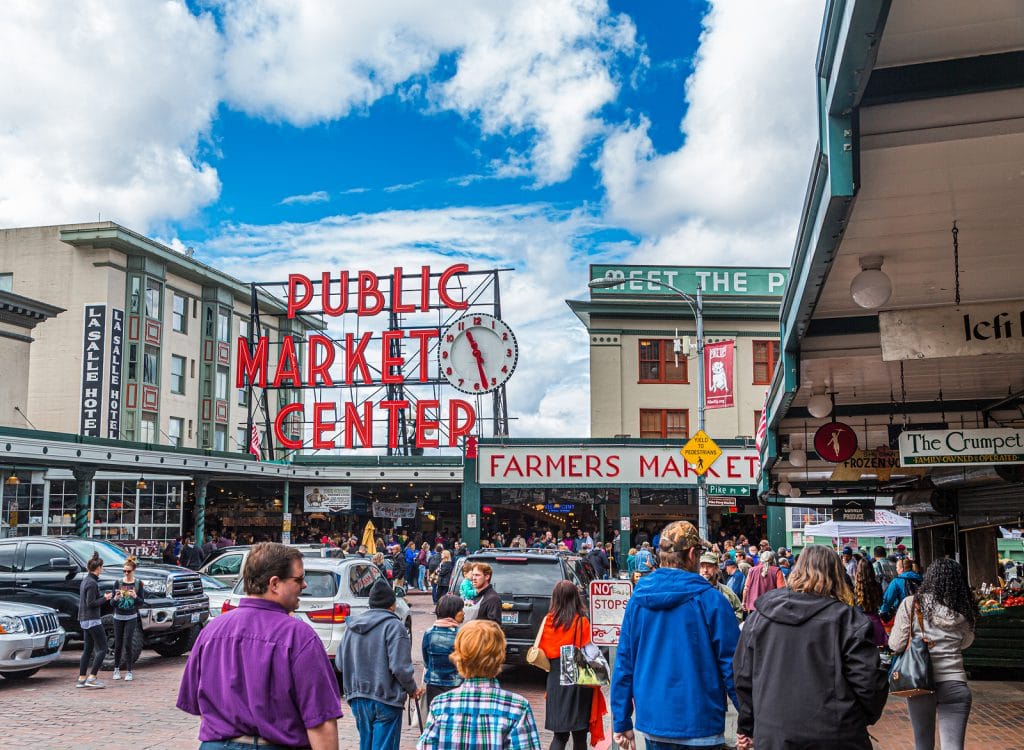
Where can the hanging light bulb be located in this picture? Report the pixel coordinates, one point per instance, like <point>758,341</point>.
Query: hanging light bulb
<point>12,480</point>
<point>141,484</point>
<point>785,488</point>
<point>819,404</point>
<point>798,458</point>
<point>871,288</point>
<point>795,492</point>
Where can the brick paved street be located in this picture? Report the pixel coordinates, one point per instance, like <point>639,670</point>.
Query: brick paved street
<point>46,712</point>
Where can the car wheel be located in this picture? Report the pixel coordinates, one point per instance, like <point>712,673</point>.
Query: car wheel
<point>22,675</point>
<point>180,644</point>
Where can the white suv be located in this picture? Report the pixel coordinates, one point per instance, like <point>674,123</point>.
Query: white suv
<point>335,590</point>
<point>30,638</point>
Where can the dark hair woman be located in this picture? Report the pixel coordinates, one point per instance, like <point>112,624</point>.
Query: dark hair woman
<point>129,596</point>
<point>439,673</point>
<point>571,710</point>
<point>90,604</point>
<point>867,594</point>
<point>947,612</point>
<point>792,642</point>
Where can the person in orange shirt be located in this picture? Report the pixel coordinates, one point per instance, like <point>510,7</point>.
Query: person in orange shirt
<point>571,710</point>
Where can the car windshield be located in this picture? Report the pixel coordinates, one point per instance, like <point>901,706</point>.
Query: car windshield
<point>213,584</point>
<point>109,553</point>
<point>535,578</point>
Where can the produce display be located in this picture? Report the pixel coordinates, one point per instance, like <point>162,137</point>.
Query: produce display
<point>991,601</point>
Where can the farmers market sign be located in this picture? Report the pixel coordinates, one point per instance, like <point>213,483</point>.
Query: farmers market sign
<point>961,447</point>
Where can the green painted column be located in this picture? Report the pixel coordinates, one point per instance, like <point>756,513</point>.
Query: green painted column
<point>776,526</point>
<point>200,509</point>
<point>83,490</point>
<point>470,506</point>
<point>624,533</point>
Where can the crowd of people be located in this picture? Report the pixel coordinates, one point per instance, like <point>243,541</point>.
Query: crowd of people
<point>795,644</point>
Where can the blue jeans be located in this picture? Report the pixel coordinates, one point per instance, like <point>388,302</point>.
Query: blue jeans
<point>379,725</point>
<point>655,745</point>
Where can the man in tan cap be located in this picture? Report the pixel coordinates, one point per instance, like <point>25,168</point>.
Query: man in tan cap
<point>674,660</point>
<point>709,572</point>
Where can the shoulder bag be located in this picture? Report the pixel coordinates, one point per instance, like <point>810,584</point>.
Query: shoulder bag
<point>535,656</point>
<point>911,672</point>
<point>584,666</point>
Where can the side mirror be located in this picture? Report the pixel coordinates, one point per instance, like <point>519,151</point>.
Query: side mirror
<point>60,563</point>
<point>400,592</point>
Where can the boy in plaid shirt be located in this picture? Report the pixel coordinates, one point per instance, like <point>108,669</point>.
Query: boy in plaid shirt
<point>479,715</point>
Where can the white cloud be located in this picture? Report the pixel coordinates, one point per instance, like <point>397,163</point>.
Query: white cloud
<point>103,104</point>
<point>319,196</point>
<point>734,189</point>
<point>548,394</point>
<point>537,67</point>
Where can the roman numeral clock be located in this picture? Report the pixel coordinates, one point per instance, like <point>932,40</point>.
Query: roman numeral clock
<point>478,353</point>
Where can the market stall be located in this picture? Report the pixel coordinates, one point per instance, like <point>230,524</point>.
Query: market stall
<point>886,524</point>
<point>999,637</point>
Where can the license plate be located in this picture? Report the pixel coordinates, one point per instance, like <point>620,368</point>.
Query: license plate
<point>195,617</point>
<point>53,643</point>
<point>509,618</point>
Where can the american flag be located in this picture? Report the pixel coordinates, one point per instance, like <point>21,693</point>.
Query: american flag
<point>254,442</point>
<point>762,425</point>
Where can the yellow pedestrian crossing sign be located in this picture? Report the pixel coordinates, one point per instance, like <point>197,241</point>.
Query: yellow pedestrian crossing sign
<point>701,451</point>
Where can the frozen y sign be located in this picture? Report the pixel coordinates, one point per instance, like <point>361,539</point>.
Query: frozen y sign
<point>718,369</point>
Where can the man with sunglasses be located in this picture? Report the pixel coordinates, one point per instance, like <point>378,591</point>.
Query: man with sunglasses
<point>257,676</point>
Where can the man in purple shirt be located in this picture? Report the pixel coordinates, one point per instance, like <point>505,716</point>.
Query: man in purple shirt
<point>257,676</point>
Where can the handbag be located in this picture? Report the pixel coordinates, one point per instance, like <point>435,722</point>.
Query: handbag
<point>584,666</point>
<point>911,673</point>
<point>535,656</point>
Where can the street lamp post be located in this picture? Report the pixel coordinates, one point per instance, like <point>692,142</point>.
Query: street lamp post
<point>696,305</point>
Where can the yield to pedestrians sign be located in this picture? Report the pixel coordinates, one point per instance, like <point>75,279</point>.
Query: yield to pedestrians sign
<point>608,600</point>
<point>701,451</point>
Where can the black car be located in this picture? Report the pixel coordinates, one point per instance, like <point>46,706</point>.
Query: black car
<point>525,579</point>
<point>48,570</point>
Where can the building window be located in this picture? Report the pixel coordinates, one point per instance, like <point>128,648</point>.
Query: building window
<point>243,329</point>
<point>765,355</point>
<point>135,294</point>
<point>220,438</point>
<point>151,366</point>
<point>133,361</point>
<point>6,282</point>
<point>223,326</point>
<point>175,427</point>
<point>243,393</point>
<point>242,442</point>
<point>209,322</point>
<point>757,421</point>
<point>147,428</point>
<point>664,423</point>
<point>222,383</point>
<point>658,362</point>
<point>179,314</point>
<point>153,299</point>
<point>177,374</point>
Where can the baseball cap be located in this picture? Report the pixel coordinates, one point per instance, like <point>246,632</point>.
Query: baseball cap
<point>847,550</point>
<point>729,561</point>
<point>901,547</point>
<point>710,558</point>
<point>679,536</point>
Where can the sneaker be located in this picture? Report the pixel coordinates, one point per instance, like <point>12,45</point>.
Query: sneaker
<point>117,673</point>
<point>80,683</point>
<point>128,677</point>
<point>92,682</point>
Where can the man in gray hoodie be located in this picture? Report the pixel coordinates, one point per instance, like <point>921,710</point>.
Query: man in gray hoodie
<point>375,661</point>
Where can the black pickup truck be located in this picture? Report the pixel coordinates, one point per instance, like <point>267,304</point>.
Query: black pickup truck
<point>48,570</point>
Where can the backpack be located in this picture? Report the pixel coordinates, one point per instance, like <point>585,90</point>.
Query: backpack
<point>389,569</point>
<point>644,561</point>
<point>434,562</point>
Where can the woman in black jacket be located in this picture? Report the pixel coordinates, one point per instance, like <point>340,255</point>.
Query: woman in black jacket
<point>806,667</point>
<point>444,575</point>
<point>90,602</point>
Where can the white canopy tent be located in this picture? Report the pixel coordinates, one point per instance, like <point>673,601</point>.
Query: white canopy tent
<point>885,524</point>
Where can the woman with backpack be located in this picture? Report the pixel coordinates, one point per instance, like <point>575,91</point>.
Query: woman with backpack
<point>571,710</point>
<point>945,610</point>
<point>763,577</point>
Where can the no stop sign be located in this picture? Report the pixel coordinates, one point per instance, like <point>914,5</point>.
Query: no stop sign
<point>608,600</point>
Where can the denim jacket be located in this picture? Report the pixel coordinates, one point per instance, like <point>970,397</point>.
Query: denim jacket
<point>438,643</point>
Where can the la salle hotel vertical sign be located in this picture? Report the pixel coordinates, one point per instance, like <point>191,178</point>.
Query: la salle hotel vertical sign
<point>93,348</point>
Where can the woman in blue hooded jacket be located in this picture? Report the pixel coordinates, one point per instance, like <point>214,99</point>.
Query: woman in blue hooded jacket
<point>903,585</point>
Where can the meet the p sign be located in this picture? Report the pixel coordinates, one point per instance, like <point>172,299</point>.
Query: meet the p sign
<point>608,600</point>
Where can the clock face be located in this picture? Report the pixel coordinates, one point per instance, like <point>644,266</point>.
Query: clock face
<point>478,353</point>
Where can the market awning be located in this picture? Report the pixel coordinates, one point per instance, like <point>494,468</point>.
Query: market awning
<point>885,524</point>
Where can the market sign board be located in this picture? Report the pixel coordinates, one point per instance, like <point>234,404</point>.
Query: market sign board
<point>964,331</point>
<point>729,280</point>
<point>606,465</point>
<point>996,445</point>
<point>859,511</point>
<point>327,499</point>
<point>608,600</point>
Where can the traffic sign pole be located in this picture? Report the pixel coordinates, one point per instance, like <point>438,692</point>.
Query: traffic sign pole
<point>702,495</point>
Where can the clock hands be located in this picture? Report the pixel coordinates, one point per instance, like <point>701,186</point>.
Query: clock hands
<point>479,357</point>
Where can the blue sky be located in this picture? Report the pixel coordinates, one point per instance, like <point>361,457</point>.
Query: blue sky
<point>539,135</point>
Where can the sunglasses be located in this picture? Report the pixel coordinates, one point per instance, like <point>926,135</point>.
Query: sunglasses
<point>298,579</point>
